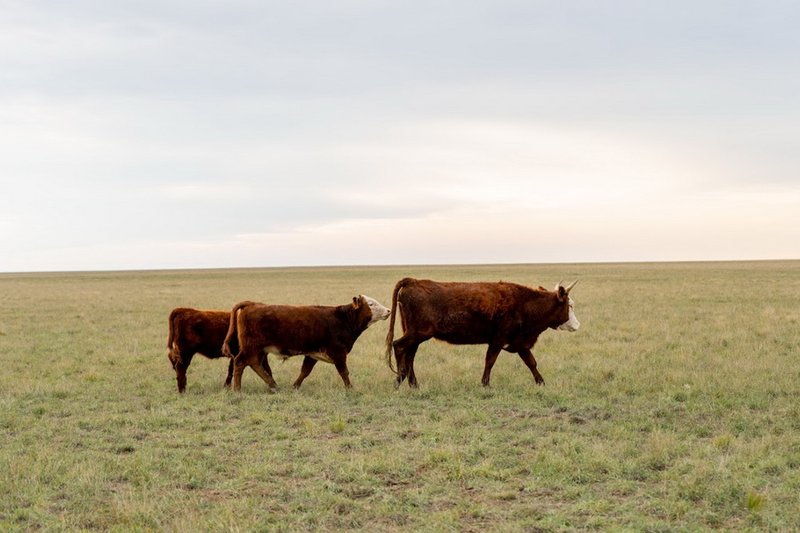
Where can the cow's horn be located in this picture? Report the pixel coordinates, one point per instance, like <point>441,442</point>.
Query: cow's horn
<point>571,285</point>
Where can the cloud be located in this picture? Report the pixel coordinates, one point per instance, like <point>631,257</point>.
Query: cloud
<point>216,192</point>
<point>163,133</point>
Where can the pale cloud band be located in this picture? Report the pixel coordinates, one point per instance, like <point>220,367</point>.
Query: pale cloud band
<point>152,136</point>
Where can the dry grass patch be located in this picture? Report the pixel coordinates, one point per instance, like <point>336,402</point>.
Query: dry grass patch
<point>674,407</point>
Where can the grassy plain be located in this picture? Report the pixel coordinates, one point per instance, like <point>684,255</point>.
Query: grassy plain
<point>674,408</point>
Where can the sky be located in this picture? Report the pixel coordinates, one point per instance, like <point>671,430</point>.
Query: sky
<point>200,134</point>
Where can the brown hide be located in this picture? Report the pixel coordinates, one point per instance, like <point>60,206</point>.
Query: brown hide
<point>505,316</point>
<point>317,332</point>
<point>194,331</point>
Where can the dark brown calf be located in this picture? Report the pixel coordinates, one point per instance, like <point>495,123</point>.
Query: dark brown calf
<point>194,331</point>
<point>317,332</point>
<point>506,316</point>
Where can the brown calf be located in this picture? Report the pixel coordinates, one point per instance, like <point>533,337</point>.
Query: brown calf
<point>317,332</point>
<point>194,331</point>
<point>506,316</point>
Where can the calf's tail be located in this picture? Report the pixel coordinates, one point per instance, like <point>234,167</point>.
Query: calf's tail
<point>171,338</point>
<point>390,336</point>
<point>226,347</point>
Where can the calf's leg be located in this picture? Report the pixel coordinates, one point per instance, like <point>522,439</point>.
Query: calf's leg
<point>180,375</point>
<point>258,362</point>
<point>239,365</point>
<point>340,361</point>
<point>230,374</point>
<point>180,362</point>
<point>265,372</point>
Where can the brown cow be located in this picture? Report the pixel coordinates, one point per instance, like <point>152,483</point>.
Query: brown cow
<point>317,332</point>
<point>506,316</point>
<point>194,331</point>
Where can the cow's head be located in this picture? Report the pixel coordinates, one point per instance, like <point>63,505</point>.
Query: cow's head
<point>378,311</point>
<point>571,323</point>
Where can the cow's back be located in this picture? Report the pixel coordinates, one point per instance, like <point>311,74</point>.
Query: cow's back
<point>459,313</point>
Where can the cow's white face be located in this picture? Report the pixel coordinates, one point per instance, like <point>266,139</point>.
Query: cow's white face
<point>572,324</point>
<point>379,312</point>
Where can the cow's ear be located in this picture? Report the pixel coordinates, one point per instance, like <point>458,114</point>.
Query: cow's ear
<point>355,302</point>
<point>562,293</point>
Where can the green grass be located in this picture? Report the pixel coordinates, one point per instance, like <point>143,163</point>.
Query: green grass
<point>673,408</point>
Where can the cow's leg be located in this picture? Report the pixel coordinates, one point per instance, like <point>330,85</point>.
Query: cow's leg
<point>399,347</point>
<point>340,361</point>
<point>528,359</point>
<point>400,359</point>
<point>411,353</point>
<point>305,370</point>
<point>405,348</point>
<point>230,374</point>
<point>491,357</point>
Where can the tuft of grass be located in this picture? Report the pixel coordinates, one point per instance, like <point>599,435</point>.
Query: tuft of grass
<point>755,501</point>
<point>723,442</point>
<point>338,425</point>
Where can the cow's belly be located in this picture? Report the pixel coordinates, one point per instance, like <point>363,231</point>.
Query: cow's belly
<point>286,353</point>
<point>462,338</point>
<point>461,328</point>
<point>320,356</point>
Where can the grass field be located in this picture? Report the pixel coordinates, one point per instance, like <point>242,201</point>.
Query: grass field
<point>674,408</point>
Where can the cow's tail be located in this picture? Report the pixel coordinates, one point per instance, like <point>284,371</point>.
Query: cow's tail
<point>390,336</point>
<point>226,346</point>
<point>171,338</point>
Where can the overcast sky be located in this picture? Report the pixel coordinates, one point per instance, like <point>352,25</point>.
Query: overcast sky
<point>172,134</point>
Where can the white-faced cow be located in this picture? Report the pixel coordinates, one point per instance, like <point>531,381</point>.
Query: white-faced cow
<point>320,333</point>
<point>194,331</point>
<point>506,316</point>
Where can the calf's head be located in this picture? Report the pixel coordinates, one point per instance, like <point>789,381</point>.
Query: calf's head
<point>571,322</point>
<point>379,312</point>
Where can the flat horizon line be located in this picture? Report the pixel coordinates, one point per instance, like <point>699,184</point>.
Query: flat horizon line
<point>394,265</point>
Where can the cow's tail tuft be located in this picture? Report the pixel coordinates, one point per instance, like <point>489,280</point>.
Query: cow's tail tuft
<point>390,336</point>
<point>226,347</point>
